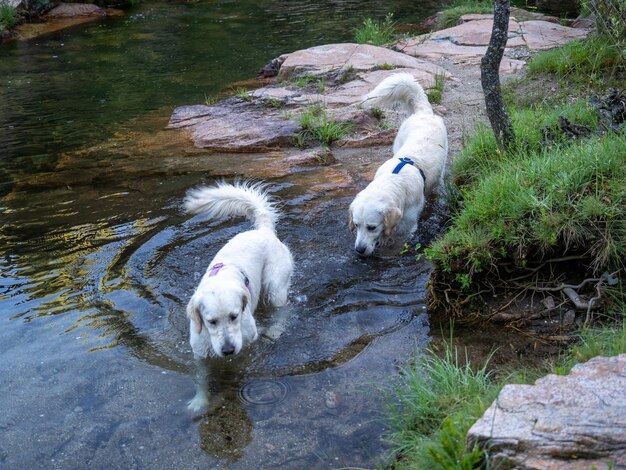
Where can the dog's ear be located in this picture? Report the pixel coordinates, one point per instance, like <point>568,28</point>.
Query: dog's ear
<point>350,221</point>
<point>244,302</point>
<point>194,315</point>
<point>391,219</point>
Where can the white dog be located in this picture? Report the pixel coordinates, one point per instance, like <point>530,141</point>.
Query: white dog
<point>390,206</point>
<point>251,265</point>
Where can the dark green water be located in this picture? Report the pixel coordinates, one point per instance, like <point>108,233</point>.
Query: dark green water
<point>75,87</point>
<point>95,272</point>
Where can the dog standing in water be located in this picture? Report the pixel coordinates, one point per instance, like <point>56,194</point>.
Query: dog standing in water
<point>390,206</point>
<point>254,264</point>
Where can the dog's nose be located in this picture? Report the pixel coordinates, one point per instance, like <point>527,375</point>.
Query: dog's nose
<point>228,350</point>
<point>360,249</point>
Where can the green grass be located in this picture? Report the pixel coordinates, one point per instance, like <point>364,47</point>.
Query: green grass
<point>528,205</point>
<point>591,62</point>
<point>433,407</point>
<point>317,123</point>
<point>595,342</point>
<point>374,32</point>
<point>438,399</point>
<point>481,154</point>
<point>8,16</point>
<point>242,93</point>
<point>436,92</point>
<point>450,16</point>
<point>210,100</point>
<point>385,66</point>
<point>304,80</point>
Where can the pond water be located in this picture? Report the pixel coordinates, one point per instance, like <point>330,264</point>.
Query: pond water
<point>97,260</point>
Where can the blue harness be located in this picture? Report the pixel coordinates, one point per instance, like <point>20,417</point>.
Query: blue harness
<point>407,161</point>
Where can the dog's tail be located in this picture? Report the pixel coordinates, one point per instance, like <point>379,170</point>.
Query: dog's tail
<point>226,200</point>
<point>400,88</point>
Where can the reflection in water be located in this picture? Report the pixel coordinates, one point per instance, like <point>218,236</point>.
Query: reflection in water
<point>226,430</point>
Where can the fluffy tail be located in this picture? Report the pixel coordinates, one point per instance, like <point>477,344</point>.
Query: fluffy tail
<point>241,199</point>
<point>400,88</point>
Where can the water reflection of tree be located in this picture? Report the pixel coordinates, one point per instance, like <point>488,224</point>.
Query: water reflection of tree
<point>68,271</point>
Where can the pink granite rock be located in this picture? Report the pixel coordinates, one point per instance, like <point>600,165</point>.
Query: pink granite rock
<point>568,422</point>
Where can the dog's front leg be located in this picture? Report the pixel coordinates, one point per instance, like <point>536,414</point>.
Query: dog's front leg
<point>278,323</point>
<point>200,401</point>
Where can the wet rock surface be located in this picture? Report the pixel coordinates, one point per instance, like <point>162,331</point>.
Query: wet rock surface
<point>576,421</point>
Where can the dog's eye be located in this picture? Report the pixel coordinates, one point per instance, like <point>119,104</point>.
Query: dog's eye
<point>371,228</point>
<point>213,322</point>
<point>233,316</point>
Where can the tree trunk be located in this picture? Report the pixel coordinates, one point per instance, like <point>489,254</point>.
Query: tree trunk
<point>490,76</point>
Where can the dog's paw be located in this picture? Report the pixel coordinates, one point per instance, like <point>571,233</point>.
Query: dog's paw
<point>200,402</point>
<point>273,332</point>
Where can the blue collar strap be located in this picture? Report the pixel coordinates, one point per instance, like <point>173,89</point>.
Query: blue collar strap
<point>407,161</point>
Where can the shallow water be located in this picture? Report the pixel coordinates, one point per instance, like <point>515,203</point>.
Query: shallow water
<point>97,261</point>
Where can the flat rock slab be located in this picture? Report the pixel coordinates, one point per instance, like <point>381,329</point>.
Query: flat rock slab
<point>269,116</point>
<point>347,58</point>
<point>234,126</point>
<point>467,42</point>
<point>568,422</point>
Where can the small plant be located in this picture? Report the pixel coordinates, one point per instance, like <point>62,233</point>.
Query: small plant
<point>299,140</point>
<point>344,75</point>
<point>304,80</point>
<point>321,85</point>
<point>317,123</point>
<point>210,100</point>
<point>377,113</point>
<point>242,93</point>
<point>325,157</point>
<point>8,16</point>
<point>436,92</point>
<point>275,103</point>
<point>385,66</point>
<point>377,33</point>
<point>407,249</point>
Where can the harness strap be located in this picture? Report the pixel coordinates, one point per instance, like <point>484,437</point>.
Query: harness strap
<point>216,269</point>
<point>407,161</point>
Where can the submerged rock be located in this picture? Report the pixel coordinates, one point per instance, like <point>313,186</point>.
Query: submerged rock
<point>72,10</point>
<point>568,422</point>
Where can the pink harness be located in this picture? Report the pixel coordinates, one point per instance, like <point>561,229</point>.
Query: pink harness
<point>213,270</point>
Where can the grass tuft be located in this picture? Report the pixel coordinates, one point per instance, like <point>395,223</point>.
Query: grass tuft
<point>450,16</point>
<point>374,32</point>
<point>435,404</point>
<point>319,124</point>
<point>436,92</point>
<point>8,16</point>
<point>242,93</point>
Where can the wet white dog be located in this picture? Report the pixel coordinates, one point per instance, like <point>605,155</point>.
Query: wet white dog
<point>390,206</point>
<point>252,265</point>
